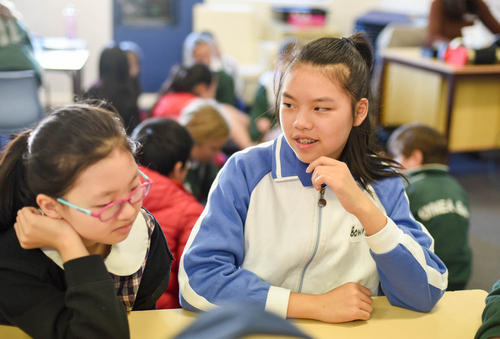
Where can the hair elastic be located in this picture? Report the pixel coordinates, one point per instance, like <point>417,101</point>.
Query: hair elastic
<point>347,40</point>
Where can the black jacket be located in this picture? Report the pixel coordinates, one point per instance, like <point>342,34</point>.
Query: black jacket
<point>77,302</point>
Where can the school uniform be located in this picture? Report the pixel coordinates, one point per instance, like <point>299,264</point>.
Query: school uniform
<point>86,297</point>
<point>16,50</point>
<point>263,104</point>
<point>263,235</point>
<point>490,327</point>
<point>439,202</point>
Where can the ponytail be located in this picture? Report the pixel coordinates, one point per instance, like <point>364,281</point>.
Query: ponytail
<point>15,192</point>
<point>349,61</point>
<point>364,48</point>
<point>49,159</point>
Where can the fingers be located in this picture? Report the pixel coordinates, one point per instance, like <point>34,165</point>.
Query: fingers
<point>19,228</point>
<point>365,290</point>
<point>363,315</point>
<point>321,161</point>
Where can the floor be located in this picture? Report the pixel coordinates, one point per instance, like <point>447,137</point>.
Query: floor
<point>479,173</point>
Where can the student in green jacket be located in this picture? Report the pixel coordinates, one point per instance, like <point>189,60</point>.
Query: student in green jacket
<point>197,48</point>
<point>490,329</point>
<point>436,199</point>
<point>263,122</point>
<point>16,51</point>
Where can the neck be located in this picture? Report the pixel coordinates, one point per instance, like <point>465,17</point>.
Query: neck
<point>97,248</point>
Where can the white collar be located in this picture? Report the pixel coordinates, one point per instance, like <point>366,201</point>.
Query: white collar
<point>126,257</point>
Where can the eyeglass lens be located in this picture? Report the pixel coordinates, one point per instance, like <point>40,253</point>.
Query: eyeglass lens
<point>137,195</point>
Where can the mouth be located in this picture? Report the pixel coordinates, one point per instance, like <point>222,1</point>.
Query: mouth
<point>305,143</point>
<point>124,229</point>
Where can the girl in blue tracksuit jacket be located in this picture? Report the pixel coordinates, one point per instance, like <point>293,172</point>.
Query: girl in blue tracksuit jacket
<point>314,223</point>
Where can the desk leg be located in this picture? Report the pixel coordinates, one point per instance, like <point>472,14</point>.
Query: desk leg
<point>76,77</point>
<point>449,102</point>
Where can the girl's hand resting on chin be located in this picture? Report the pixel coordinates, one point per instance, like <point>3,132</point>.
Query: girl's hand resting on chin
<point>35,230</point>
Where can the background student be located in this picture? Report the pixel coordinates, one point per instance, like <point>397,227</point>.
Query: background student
<point>490,328</point>
<point>197,84</point>
<point>82,253</point>
<point>116,86</point>
<point>263,124</point>
<point>314,223</point>
<point>448,17</point>
<point>436,198</point>
<point>134,58</point>
<point>210,131</point>
<point>184,85</point>
<point>16,50</point>
<point>163,156</point>
<point>199,48</point>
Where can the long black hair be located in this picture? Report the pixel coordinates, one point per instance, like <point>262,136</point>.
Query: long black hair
<point>455,9</point>
<point>185,79</point>
<point>49,158</point>
<point>354,55</point>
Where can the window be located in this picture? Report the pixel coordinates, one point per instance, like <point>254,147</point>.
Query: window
<point>140,13</point>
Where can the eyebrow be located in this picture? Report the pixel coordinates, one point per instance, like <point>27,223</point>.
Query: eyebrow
<point>321,99</point>
<point>107,193</point>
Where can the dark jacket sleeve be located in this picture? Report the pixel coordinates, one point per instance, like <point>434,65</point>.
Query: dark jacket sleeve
<point>225,89</point>
<point>156,274</point>
<point>87,308</point>
<point>491,315</point>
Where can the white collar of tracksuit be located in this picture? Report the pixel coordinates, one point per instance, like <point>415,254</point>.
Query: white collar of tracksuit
<point>286,166</point>
<point>126,257</point>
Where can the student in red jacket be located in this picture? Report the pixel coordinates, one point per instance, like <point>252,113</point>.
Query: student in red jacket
<point>166,146</point>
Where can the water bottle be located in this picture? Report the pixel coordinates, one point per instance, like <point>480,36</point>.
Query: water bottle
<point>69,14</point>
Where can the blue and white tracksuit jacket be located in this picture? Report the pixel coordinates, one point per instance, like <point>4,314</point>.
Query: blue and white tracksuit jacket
<point>263,235</point>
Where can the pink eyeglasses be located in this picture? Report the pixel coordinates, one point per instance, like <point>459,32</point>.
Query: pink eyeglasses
<point>114,208</point>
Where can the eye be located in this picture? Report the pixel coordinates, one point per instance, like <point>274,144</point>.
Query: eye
<point>134,187</point>
<point>287,104</point>
<point>322,109</point>
<point>102,205</point>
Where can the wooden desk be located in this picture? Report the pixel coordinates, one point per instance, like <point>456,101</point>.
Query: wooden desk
<point>461,102</point>
<point>456,316</point>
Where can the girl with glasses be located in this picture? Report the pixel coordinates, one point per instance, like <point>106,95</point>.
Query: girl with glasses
<point>82,252</point>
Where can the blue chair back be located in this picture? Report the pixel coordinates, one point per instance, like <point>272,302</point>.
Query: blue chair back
<point>20,106</point>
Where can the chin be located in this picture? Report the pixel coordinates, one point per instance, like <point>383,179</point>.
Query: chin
<point>307,159</point>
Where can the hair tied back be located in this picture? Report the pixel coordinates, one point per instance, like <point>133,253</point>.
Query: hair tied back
<point>347,41</point>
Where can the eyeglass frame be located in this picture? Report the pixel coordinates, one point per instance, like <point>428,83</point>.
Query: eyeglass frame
<point>98,214</point>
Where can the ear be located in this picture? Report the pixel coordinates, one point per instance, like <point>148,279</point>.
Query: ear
<point>49,206</point>
<point>179,172</point>
<point>361,111</point>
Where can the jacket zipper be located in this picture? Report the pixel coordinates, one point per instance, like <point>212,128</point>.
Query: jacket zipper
<point>321,204</point>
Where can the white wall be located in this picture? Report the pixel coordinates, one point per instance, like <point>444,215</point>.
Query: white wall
<point>94,25</point>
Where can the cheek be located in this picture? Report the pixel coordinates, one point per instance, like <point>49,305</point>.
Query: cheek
<point>286,120</point>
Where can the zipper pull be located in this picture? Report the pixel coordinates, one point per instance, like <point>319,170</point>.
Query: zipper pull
<point>322,201</point>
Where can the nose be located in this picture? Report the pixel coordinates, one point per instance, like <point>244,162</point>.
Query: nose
<point>302,120</point>
<point>128,210</point>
